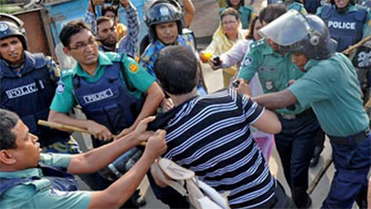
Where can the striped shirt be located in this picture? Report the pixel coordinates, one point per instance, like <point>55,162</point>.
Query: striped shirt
<point>211,136</point>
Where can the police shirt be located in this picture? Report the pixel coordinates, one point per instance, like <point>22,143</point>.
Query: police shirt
<point>39,194</point>
<point>64,98</point>
<point>331,88</point>
<point>274,70</point>
<point>298,7</point>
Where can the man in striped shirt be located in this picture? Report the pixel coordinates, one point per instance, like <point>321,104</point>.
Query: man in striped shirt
<point>211,134</point>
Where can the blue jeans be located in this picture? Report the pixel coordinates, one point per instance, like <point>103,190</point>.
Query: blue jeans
<point>352,163</point>
<point>295,145</point>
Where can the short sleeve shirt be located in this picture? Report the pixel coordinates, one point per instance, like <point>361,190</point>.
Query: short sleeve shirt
<point>39,194</point>
<point>64,98</point>
<point>274,70</point>
<point>331,88</point>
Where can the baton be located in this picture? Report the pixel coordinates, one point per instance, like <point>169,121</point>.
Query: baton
<point>66,128</point>
<point>360,43</point>
<point>319,175</point>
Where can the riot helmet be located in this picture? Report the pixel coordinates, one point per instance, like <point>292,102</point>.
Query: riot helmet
<point>9,29</point>
<point>297,33</point>
<point>163,11</point>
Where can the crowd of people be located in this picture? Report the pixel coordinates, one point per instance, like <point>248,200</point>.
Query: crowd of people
<point>287,85</point>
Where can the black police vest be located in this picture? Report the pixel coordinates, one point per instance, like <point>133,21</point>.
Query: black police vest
<point>29,93</point>
<point>59,180</point>
<point>346,29</point>
<point>108,101</point>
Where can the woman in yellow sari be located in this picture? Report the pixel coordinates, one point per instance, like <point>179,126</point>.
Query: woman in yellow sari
<point>228,33</point>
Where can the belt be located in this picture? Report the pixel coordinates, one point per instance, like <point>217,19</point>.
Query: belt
<point>345,140</point>
<point>294,116</point>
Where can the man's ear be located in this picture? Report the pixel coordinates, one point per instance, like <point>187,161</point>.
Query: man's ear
<point>66,51</point>
<point>6,158</point>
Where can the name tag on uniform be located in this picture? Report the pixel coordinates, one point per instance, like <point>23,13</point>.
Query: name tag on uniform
<point>98,96</point>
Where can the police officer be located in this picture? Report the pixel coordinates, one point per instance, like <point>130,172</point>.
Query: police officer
<point>108,86</point>
<point>331,88</point>
<point>348,22</point>
<point>27,184</point>
<point>295,144</point>
<point>27,85</point>
<point>164,21</point>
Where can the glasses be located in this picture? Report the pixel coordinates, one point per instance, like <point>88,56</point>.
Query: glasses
<point>229,22</point>
<point>82,45</point>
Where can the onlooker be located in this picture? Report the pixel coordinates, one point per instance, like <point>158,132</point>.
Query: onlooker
<point>228,33</point>
<point>245,12</point>
<point>105,29</point>
<point>27,184</point>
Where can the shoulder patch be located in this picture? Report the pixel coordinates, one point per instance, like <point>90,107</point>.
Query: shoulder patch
<point>60,87</point>
<point>133,67</point>
<point>247,62</point>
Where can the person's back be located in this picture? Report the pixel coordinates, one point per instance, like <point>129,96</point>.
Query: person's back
<point>211,136</point>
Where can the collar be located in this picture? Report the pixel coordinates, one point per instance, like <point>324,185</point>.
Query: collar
<point>22,173</point>
<point>310,64</point>
<point>103,60</point>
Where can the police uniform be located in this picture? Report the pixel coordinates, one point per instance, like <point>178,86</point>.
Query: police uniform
<point>346,28</point>
<point>343,118</point>
<point>38,191</point>
<point>29,92</point>
<point>103,94</point>
<point>295,144</point>
<point>298,7</point>
<point>245,13</point>
<point>151,53</point>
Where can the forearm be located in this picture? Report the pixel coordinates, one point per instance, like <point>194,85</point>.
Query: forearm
<point>276,100</point>
<point>120,191</point>
<point>98,158</point>
<point>152,102</point>
<point>189,12</point>
<point>63,118</point>
<point>128,43</point>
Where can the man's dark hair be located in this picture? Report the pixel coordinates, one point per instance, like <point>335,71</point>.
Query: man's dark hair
<point>71,29</point>
<point>176,69</point>
<point>103,19</point>
<point>271,12</point>
<point>109,8</point>
<point>8,120</point>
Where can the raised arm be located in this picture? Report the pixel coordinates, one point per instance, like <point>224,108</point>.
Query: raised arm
<point>189,12</point>
<point>129,43</point>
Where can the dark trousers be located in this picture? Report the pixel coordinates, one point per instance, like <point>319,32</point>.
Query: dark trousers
<point>295,145</point>
<point>352,163</point>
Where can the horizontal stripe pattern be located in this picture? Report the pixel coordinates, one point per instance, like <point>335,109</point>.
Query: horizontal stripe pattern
<point>211,136</point>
